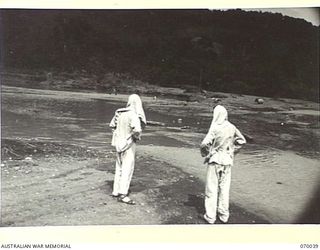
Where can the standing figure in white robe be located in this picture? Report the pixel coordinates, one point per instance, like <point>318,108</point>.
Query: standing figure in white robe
<point>127,125</point>
<point>219,146</point>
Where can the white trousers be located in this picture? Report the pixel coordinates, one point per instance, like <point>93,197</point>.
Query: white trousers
<point>124,171</point>
<point>217,192</point>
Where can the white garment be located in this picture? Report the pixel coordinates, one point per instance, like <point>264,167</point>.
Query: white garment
<point>126,125</point>
<point>124,171</point>
<point>221,138</point>
<point>217,192</point>
<point>135,103</point>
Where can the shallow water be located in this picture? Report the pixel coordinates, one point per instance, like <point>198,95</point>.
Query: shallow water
<point>75,120</point>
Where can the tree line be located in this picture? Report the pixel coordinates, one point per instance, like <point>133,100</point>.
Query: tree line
<point>232,51</point>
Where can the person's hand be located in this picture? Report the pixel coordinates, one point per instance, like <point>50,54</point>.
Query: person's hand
<point>204,150</point>
<point>206,160</point>
<point>136,137</point>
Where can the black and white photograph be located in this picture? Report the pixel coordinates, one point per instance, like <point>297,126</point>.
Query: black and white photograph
<point>159,117</point>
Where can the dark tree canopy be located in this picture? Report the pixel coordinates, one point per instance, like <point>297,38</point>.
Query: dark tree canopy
<point>233,51</point>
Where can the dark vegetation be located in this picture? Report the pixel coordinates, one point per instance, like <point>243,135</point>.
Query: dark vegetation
<point>228,51</point>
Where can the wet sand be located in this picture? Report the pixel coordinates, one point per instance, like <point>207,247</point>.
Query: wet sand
<point>68,179</point>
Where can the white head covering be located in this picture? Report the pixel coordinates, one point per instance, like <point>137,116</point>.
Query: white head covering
<point>220,115</point>
<point>135,103</point>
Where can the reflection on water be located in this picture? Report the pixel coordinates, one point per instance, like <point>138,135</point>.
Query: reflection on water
<point>64,120</point>
<point>253,154</point>
<point>74,121</point>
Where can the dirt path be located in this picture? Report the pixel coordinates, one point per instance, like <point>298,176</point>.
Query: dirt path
<point>55,188</point>
<point>277,195</point>
<point>57,164</point>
